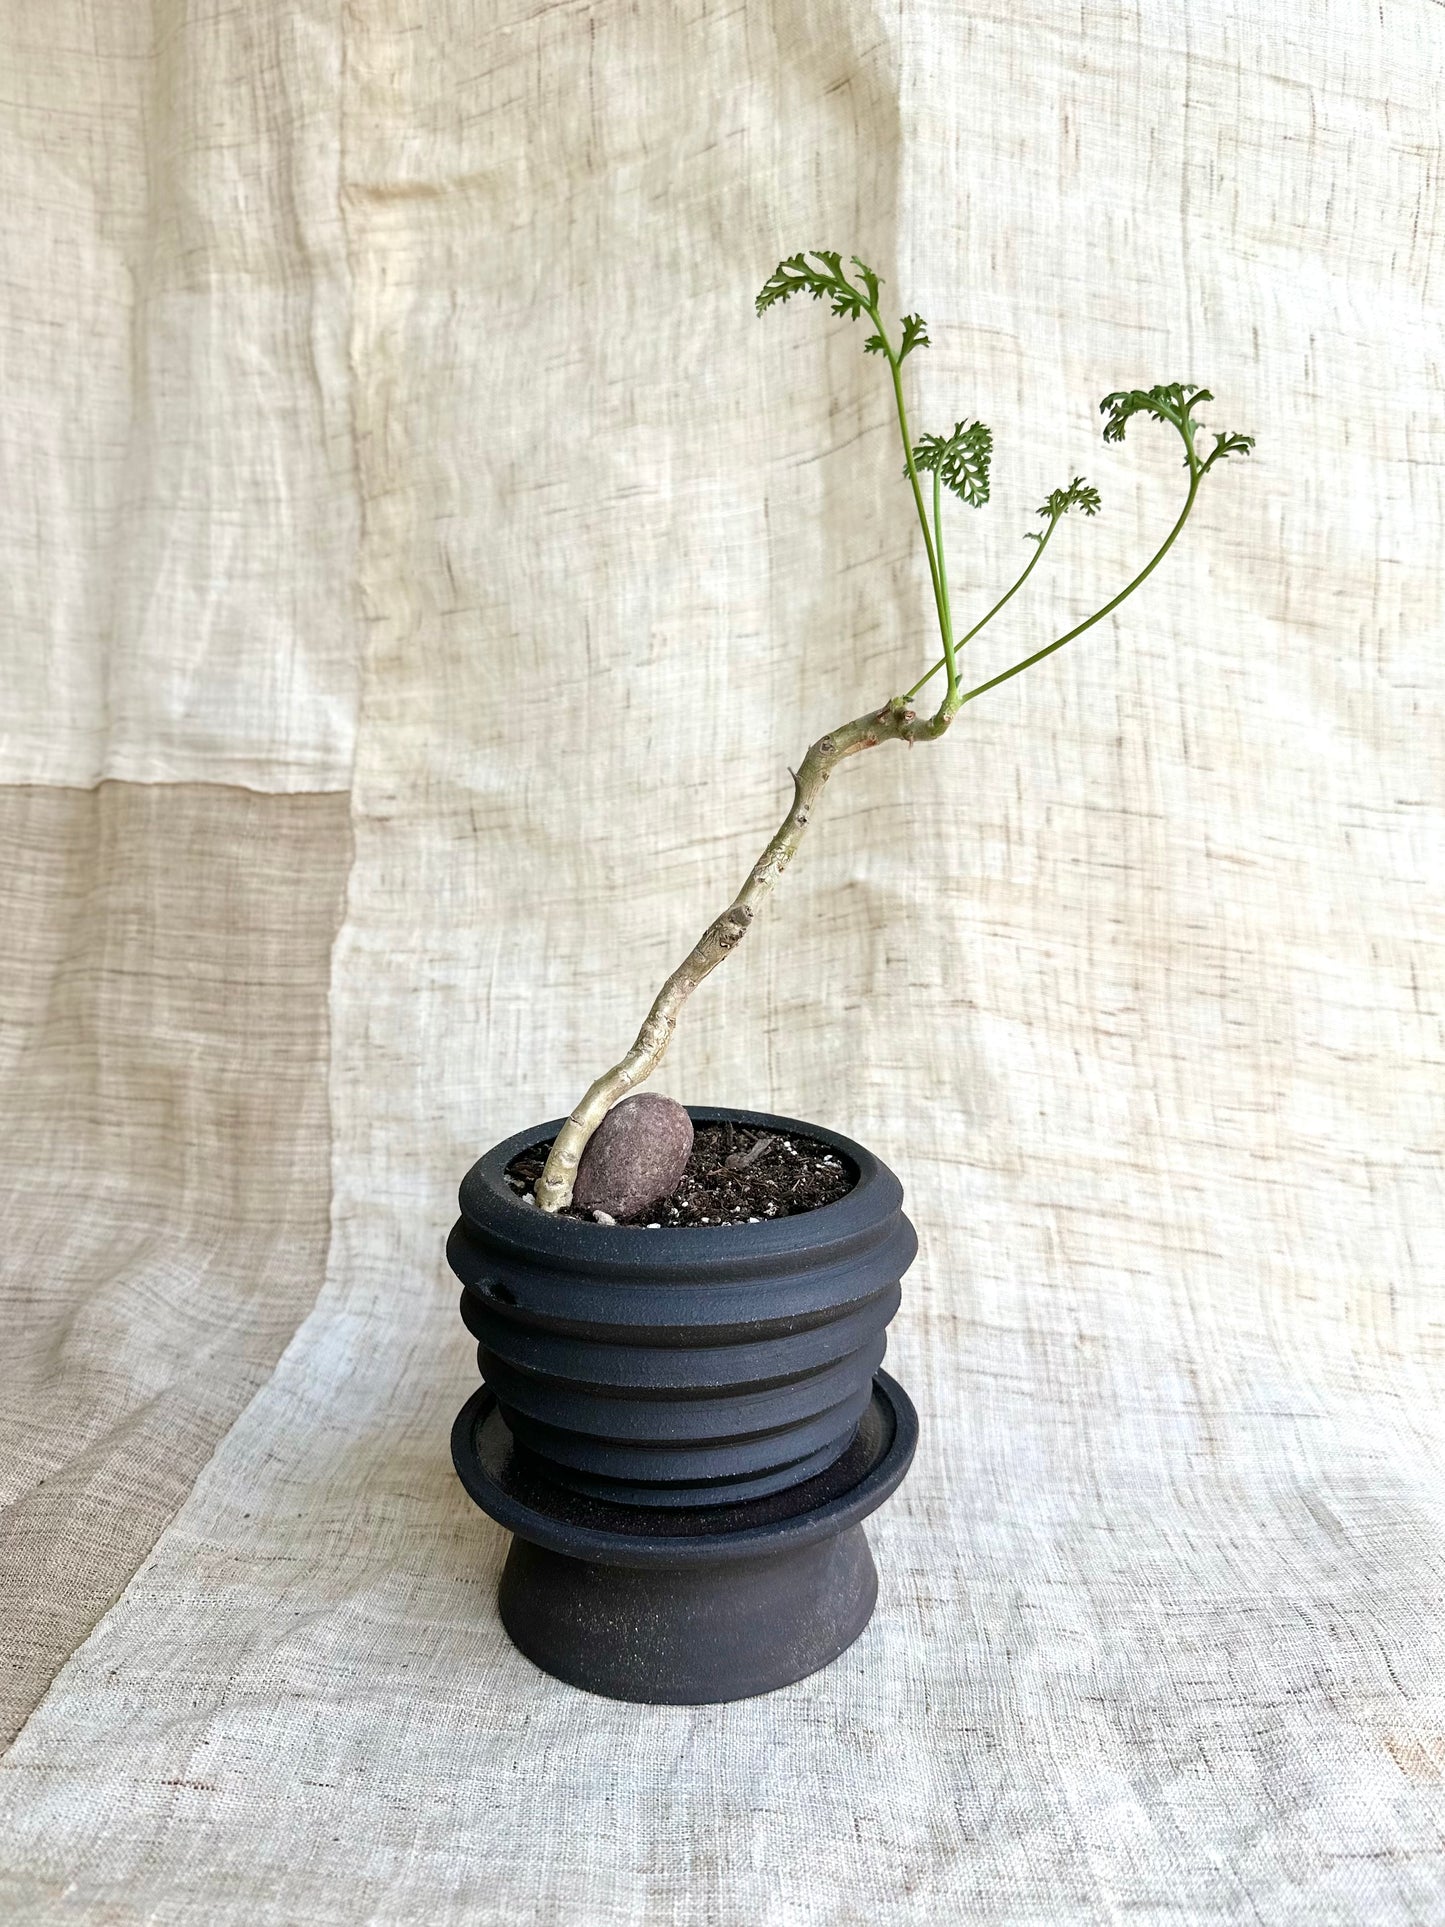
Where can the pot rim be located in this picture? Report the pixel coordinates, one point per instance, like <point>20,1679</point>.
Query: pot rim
<point>488,1201</point>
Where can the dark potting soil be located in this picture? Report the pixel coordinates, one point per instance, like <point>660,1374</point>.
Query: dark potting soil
<point>735,1175</point>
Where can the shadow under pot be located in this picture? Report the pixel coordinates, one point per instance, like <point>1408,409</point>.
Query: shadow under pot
<point>691,1419</point>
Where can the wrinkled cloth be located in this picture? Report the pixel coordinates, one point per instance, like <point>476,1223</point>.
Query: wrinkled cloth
<point>421,569</point>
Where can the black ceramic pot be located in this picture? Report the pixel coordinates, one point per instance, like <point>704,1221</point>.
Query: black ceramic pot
<point>693,1365</point>
<point>684,1428</point>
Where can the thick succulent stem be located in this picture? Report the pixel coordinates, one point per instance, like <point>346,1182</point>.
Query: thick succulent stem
<point>896,722</point>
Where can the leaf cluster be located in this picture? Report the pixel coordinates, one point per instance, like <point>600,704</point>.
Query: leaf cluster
<point>1080,495</point>
<point>798,275</point>
<point>961,460</point>
<point>1173,403</point>
<point>828,282</point>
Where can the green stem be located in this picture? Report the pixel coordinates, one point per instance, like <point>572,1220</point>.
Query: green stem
<point>895,368</point>
<point>945,607</point>
<point>1195,472</point>
<point>984,621</point>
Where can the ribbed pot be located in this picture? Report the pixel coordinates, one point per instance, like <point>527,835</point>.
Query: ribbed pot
<point>687,1366</point>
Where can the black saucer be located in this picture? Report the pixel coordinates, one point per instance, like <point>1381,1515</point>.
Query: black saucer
<point>686,1605</point>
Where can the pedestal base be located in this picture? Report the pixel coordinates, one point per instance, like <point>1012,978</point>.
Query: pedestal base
<point>692,1635</point>
<point>687,1605</point>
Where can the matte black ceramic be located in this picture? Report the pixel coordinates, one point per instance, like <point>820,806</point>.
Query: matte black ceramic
<point>689,1605</point>
<point>690,1366</point>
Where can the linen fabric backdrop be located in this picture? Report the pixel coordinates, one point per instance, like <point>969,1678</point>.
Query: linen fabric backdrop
<point>420,568</point>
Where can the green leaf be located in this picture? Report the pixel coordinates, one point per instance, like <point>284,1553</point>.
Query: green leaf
<point>868,278</point>
<point>790,277</point>
<point>1229,445</point>
<point>798,275</point>
<point>1173,403</point>
<point>915,335</point>
<point>961,459</point>
<point>1078,495</point>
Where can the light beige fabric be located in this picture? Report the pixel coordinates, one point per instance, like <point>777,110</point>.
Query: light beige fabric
<point>180,516</point>
<point>503,513</point>
<point>164,1207</point>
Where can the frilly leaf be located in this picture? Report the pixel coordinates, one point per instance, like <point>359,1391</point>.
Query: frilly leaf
<point>1173,403</point>
<point>798,275</point>
<point>962,460</point>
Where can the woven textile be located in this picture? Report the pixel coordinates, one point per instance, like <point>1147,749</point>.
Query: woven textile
<point>420,569</point>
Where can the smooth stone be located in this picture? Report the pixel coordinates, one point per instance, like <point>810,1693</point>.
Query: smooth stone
<point>636,1155</point>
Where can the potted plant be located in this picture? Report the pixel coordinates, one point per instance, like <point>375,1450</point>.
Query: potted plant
<point>681,1315</point>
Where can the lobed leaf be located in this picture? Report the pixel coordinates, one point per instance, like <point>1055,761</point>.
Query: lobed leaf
<point>961,459</point>
<point>1078,495</point>
<point>1228,445</point>
<point>915,335</point>
<point>868,278</point>
<point>798,275</point>
<point>1173,403</point>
